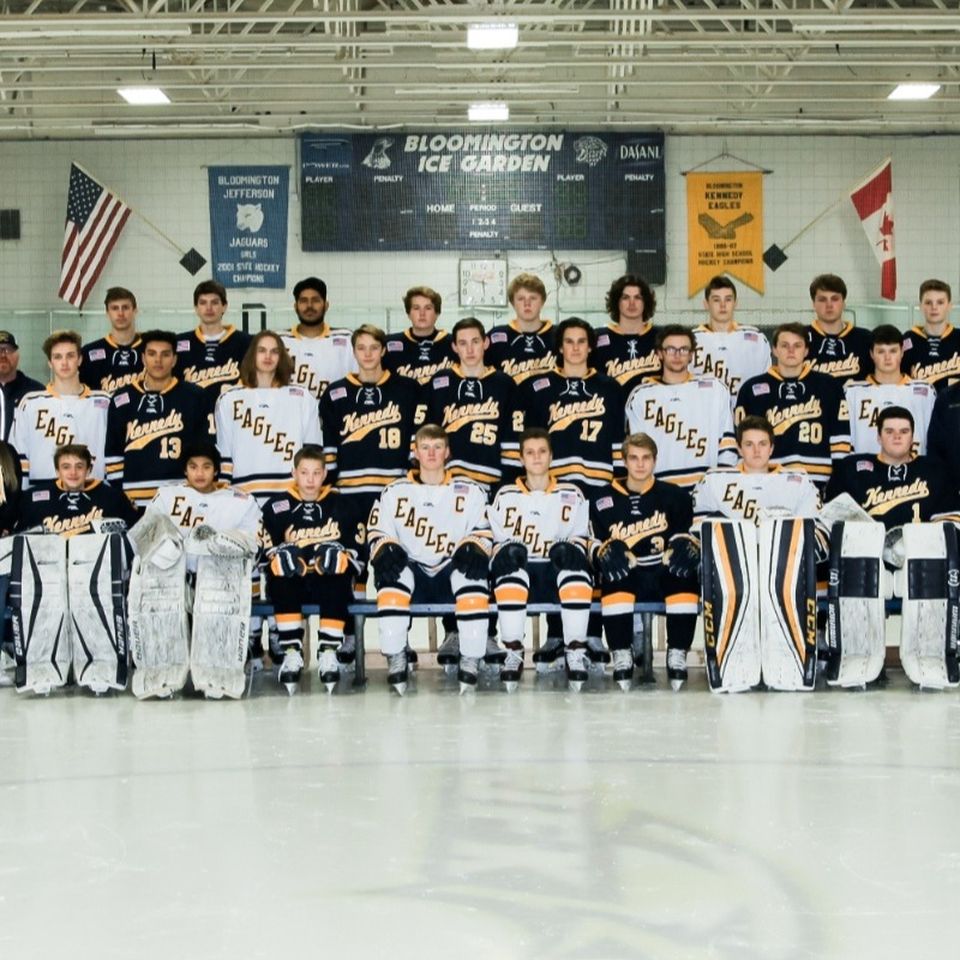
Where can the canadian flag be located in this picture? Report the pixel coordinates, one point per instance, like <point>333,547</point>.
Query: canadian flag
<point>873,200</point>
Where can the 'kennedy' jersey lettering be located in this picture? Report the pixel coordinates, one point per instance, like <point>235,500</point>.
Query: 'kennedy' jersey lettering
<point>626,357</point>
<point>866,399</point>
<point>51,508</point>
<point>318,361</point>
<point>520,355</point>
<point>419,357</point>
<point>46,420</point>
<point>539,518</point>
<point>259,429</point>
<point>737,495</point>
<point>211,364</point>
<point>691,423</point>
<point>934,360</point>
<point>367,429</point>
<point>731,357</point>
<point>645,520</point>
<point>844,355</point>
<point>108,365</point>
<point>430,520</point>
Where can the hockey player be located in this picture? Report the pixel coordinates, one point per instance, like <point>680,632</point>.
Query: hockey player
<point>430,542</point>
<point>931,350</point>
<point>368,421</point>
<point>65,411</point>
<point>320,353</point>
<point>75,500</point>
<point>626,349</point>
<point>636,521</point>
<point>806,408</point>
<point>887,386</point>
<point>114,360</point>
<point>894,486</point>
<point>581,409</point>
<point>476,405</point>
<point>263,420</point>
<point>66,591</point>
<point>837,347</point>
<point>14,383</point>
<point>541,536</point>
<point>311,536</point>
<point>688,417</point>
<point>726,350</point>
<point>421,350</point>
<point>210,355</point>
<point>149,421</point>
<point>524,346</point>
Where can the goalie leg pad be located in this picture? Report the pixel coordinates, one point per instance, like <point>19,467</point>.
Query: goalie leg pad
<point>931,604</point>
<point>788,604</point>
<point>856,632</point>
<point>98,617</point>
<point>38,602</point>
<point>221,621</point>
<point>158,628</point>
<point>731,621</point>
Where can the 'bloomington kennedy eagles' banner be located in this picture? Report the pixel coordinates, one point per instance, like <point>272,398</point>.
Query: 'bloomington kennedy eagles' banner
<point>483,191</point>
<point>724,228</point>
<point>248,225</point>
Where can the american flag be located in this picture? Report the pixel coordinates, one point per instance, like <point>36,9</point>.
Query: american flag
<point>95,218</point>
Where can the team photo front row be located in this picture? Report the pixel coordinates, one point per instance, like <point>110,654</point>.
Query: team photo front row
<point>793,579</point>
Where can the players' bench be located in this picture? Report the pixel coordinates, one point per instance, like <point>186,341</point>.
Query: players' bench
<point>362,610</point>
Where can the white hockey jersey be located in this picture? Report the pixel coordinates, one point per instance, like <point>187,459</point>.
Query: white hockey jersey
<point>691,423</point>
<point>429,520</point>
<point>539,518</point>
<point>867,398</point>
<point>259,429</point>
<point>46,420</point>
<point>733,357</point>
<point>733,494</point>
<point>319,361</point>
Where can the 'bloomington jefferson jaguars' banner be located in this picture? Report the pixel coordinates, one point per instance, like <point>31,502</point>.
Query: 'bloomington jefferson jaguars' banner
<point>468,190</point>
<point>248,225</point>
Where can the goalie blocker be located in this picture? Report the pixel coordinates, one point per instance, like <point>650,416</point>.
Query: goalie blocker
<point>759,604</point>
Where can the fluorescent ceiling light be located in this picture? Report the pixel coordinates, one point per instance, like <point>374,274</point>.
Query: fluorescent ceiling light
<point>54,32</point>
<point>143,96</point>
<point>492,36</point>
<point>487,112</point>
<point>913,91</point>
<point>902,25</point>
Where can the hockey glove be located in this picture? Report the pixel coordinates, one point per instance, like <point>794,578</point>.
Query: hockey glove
<point>388,564</point>
<point>683,556</point>
<point>894,554</point>
<point>471,561</point>
<point>565,555</point>
<point>613,558</point>
<point>510,558</point>
<point>330,558</point>
<point>107,526</point>
<point>225,543</point>
<point>287,561</point>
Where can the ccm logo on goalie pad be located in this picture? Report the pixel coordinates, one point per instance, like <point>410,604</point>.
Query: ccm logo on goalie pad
<point>953,578</point>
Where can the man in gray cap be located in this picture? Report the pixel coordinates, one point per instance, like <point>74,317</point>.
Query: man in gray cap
<point>13,383</point>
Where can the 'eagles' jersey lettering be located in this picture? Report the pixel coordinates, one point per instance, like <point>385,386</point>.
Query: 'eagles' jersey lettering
<point>672,424</point>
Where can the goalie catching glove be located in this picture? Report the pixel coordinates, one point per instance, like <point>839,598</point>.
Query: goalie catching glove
<point>510,558</point>
<point>205,540</point>
<point>613,559</point>
<point>388,564</point>
<point>682,558</point>
<point>471,561</point>
<point>565,555</point>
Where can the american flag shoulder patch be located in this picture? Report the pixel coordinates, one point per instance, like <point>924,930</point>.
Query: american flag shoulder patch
<point>541,384</point>
<point>338,394</point>
<point>121,399</point>
<point>604,503</point>
<point>440,382</point>
<point>39,495</point>
<point>864,465</point>
<point>499,336</point>
<point>393,346</point>
<point>280,506</point>
<point>760,388</point>
<point>98,354</point>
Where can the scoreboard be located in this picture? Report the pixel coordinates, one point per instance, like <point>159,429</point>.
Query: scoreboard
<point>481,191</point>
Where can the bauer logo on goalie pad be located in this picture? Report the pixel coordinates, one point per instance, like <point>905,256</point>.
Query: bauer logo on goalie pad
<point>760,388</point>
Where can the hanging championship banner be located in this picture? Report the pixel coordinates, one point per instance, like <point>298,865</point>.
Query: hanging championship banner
<point>724,228</point>
<point>248,225</point>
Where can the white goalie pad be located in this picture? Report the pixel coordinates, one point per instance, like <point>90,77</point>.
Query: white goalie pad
<point>38,604</point>
<point>856,631</point>
<point>730,607</point>
<point>931,602</point>
<point>158,621</point>
<point>96,571</point>
<point>221,619</point>
<point>788,604</point>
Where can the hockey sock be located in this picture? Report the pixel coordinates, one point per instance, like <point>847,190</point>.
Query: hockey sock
<point>512,592</point>
<point>576,594</point>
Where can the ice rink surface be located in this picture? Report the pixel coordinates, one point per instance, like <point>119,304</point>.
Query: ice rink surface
<point>538,825</point>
